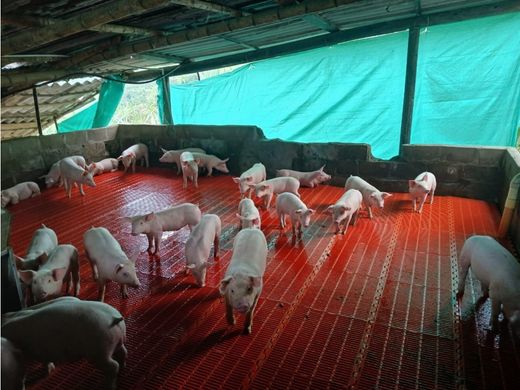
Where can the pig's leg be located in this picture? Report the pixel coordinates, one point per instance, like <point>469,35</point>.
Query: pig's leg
<point>74,272</point>
<point>431,198</point>
<point>422,203</point>
<point>101,290</point>
<point>282,221</point>
<point>150,242</point>
<point>269,199</point>
<point>124,291</point>
<point>249,194</point>
<point>120,354</point>
<point>347,222</point>
<point>249,317</point>
<point>157,241</point>
<point>210,170</point>
<point>414,204</point>
<point>95,274</point>
<point>495,311</point>
<point>229,313</point>
<point>146,160</point>
<point>465,262</point>
<point>216,243</point>
<point>81,190</point>
<point>196,179</point>
<point>184,180</point>
<point>110,368</point>
<point>484,289</point>
<point>355,217</point>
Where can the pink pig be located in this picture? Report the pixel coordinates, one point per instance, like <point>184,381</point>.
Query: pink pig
<point>419,188</point>
<point>371,195</point>
<point>133,154</point>
<point>267,188</point>
<point>307,179</point>
<point>345,210</point>
<point>253,175</point>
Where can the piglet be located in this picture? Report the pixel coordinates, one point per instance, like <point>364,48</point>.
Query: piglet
<point>190,169</point>
<point>54,176</point>
<point>499,274</point>
<point>198,246</point>
<point>109,262</point>
<point>103,166</point>
<point>68,330</point>
<point>242,282</point>
<point>154,224</point>
<point>43,242</point>
<point>248,214</point>
<point>419,188</point>
<point>267,188</point>
<point>289,204</point>
<point>62,265</point>
<point>345,210</point>
<point>371,195</point>
<point>73,173</point>
<point>132,154</point>
<point>174,156</point>
<point>307,179</point>
<point>210,162</point>
<point>13,366</point>
<point>253,175</point>
<point>21,191</point>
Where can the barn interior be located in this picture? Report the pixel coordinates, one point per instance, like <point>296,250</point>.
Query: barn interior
<point>374,308</point>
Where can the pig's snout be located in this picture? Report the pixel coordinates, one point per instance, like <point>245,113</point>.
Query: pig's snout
<point>135,284</point>
<point>243,308</point>
<point>134,234</point>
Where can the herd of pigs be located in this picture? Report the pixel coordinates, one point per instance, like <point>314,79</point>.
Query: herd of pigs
<point>48,266</point>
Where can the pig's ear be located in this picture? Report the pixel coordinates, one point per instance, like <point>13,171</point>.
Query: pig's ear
<point>252,186</point>
<point>299,211</point>
<point>149,217</point>
<point>226,160</point>
<point>119,267</point>
<point>312,211</point>
<point>256,281</point>
<point>59,273</point>
<point>236,179</point>
<point>425,177</point>
<point>256,221</point>
<point>238,215</point>
<point>411,183</point>
<point>330,209</point>
<point>322,168</point>
<point>20,262</point>
<point>163,150</point>
<point>85,173</point>
<point>26,276</point>
<point>119,158</point>
<point>385,195</point>
<point>249,178</point>
<point>223,285</point>
<point>133,258</point>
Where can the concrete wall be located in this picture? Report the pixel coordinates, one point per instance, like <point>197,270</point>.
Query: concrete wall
<point>510,167</point>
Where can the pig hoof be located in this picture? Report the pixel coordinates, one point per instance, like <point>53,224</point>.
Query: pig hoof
<point>50,368</point>
<point>247,330</point>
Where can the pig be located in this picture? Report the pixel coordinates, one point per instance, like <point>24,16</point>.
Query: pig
<point>289,204</point>
<point>209,161</point>
<point>253,175</point>
<point>61,266</point>
<point>132,154</point>
<point>13,366</point>
<point>371,195</point>
<point>267,188</point>
<point>54,175</point>
<point>154,224</point>
<point>67,330</point>
<point>307,179</point>
<point>345,210</point>
<point>499,274</point>
<point>174,156</point>
<point>419,189</point>
<point>248,214</point>
<point>43,242</point>
<point>73,173</point>
<point>242,282</point>
<point>198,246</point>
<point>21,191</point>
<point>105,165</point>
<point>108,261</point>
<point>190,169</point>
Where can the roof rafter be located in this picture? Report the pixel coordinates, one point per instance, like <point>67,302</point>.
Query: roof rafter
<point>208,6</point>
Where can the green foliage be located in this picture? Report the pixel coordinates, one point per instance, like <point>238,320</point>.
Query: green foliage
<point>138,105</point>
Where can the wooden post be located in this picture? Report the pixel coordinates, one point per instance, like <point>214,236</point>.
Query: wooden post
<point>56,123</point>
<point>37,111</point>
<point>409,87</point>
<point>167,105</point>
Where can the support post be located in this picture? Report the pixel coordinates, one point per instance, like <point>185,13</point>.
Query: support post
<point>409,87</point>
<point>167,105</point>
<point>37,111</point>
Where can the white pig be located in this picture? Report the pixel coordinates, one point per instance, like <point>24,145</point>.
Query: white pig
<point>21,191</point>
<point>61,266</point>
<point>174,156</point>
<point>43,242</point>
<point>209,161</point>
<point>198,246</point>
<point>105,165</point>
<point>419,188</point>
<point>13,366</point>
<point>371,195</point>
<point>267,188</point>
<point>253,175</point>
<point>307,179</point>
<point>132,154</point>
<point>73,173</point>
<point>67,330</point>
<point>109,262</point>
<point>154,224</point>
<point>248,214</point>
<point>499,274</point>
<point>242,282</point>
<point>190,169</point>
<point>345,210</point>
<point>289,204</point>
<point>54,175</point>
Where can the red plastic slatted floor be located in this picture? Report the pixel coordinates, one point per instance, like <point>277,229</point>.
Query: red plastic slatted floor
<point>372,309</point>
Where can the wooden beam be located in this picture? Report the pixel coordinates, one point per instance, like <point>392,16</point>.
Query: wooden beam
<point>124,30</point>
<point>320,22</point>
<point>18,126</point>
<point>166,57</point>
<point>238,42</point>
<point>95,16</point>
<point>37,111</point>
<point>208,6</point>
<point>409,87</point>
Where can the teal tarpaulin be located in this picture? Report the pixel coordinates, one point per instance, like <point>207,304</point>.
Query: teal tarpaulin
<point>98,114</point>
<point>352,92</point>
<point>468,83</point>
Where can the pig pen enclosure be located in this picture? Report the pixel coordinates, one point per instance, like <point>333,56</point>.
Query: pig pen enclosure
<point>374,308</point>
